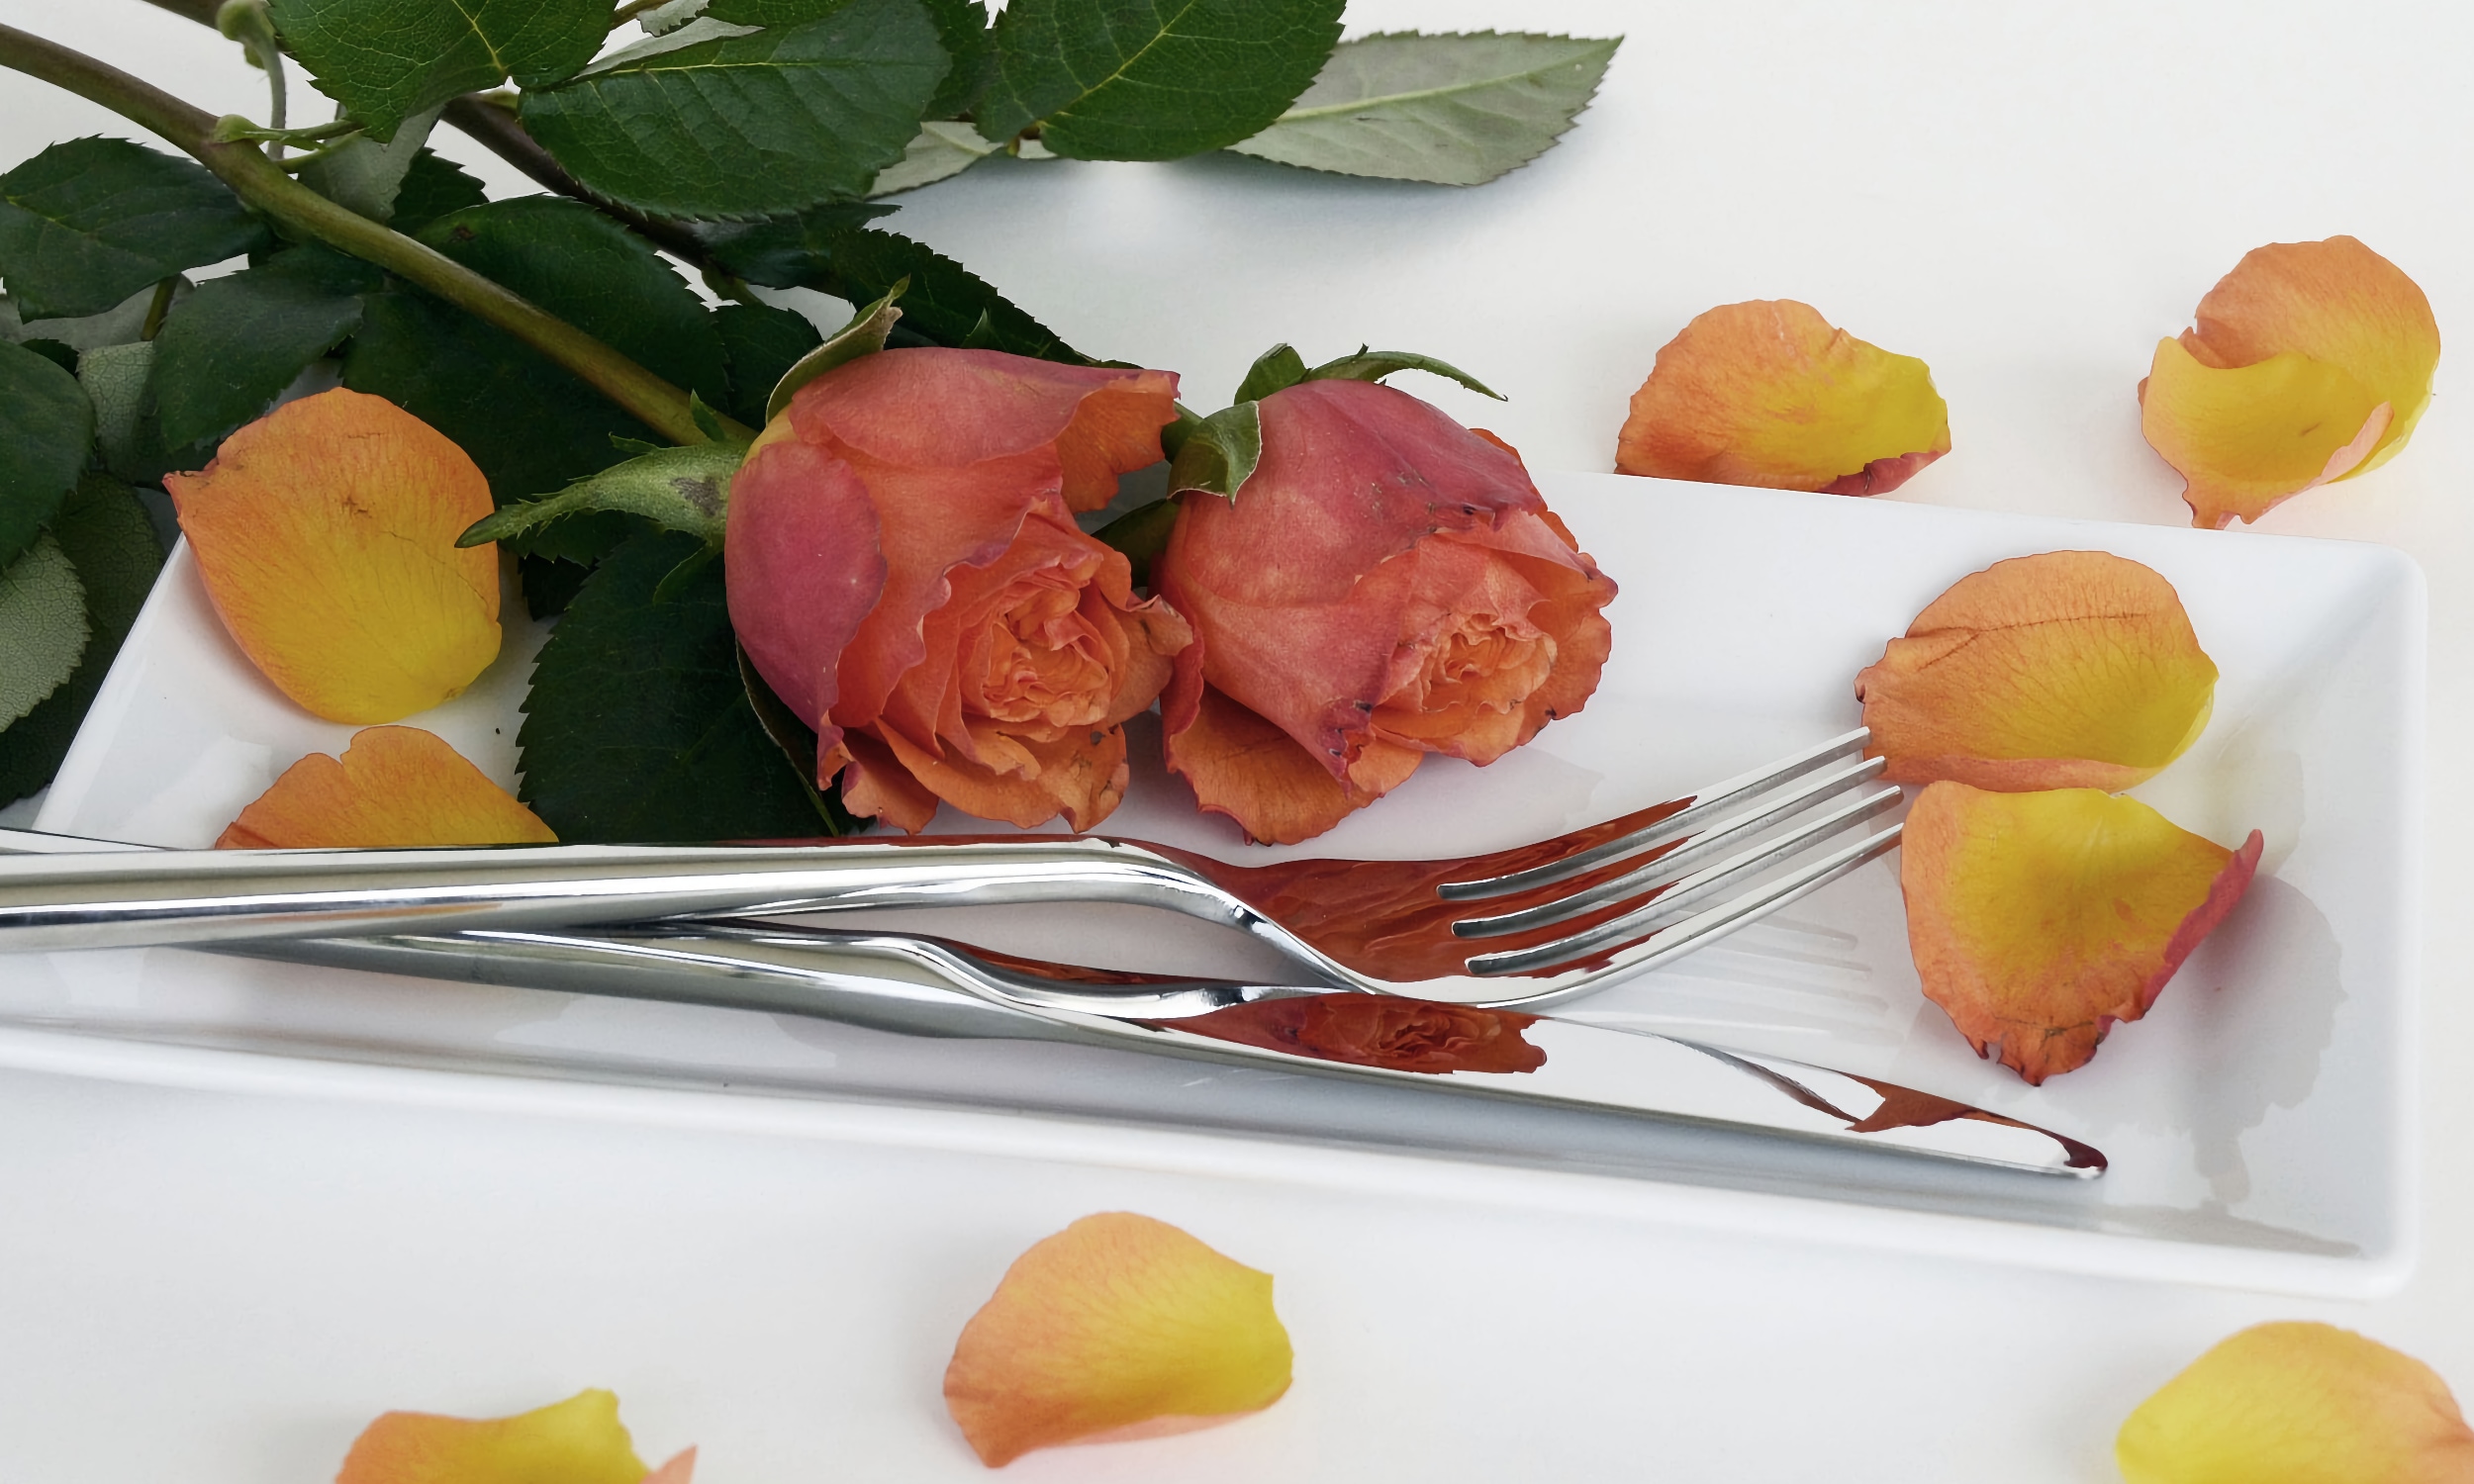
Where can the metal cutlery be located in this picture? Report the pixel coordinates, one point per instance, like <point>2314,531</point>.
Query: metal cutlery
<point>1529,926</point>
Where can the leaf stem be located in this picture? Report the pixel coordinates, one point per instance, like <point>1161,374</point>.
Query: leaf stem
<point>156,308</point>
<point>262,184</point>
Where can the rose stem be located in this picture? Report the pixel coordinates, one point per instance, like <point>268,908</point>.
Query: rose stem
<point>261,183</point>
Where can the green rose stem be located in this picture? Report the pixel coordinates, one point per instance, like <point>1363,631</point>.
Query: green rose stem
<point>261,183</point>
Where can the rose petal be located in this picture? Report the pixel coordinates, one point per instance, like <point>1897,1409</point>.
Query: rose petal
<point>2282,383</point>
<point>1117,1325</point>
<point>1242,767</point>
<point>326,535</point>
<point>2299,1404</point>
<point>396,785</point>
<point>2072,669</point>
<point>2037,920</point>
<point>806,566</point>
<point>1768,392</point>
<point>577,1442</point>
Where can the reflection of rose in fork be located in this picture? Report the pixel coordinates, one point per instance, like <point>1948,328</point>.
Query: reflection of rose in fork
<point>1368,1030</point>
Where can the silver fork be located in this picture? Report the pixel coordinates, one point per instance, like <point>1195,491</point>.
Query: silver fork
<point>1529,926</point>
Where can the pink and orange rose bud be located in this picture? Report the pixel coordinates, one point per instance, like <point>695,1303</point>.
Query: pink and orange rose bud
<point>2299,1404</point>
<point>1118,1326</point>
<point>1384,584</point>
<point>2309,362</point>
<point>906,572</point>
<point>326,535</point>
<point>1768,393</point>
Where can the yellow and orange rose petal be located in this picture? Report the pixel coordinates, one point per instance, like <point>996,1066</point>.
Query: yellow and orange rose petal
<point>325,534</point>
<point>2296,1403</point>
<point>1769,393</point>
<point>2039,920</point>
<point>2309,362</point>
<point>2067,670</point>
<point>579,1441</point>
<point>1118,1327</point>
<point>394,786</point>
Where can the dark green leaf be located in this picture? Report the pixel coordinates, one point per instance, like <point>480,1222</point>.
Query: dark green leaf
<point>42,611</point>
<point>596,275</point>
<point>1454,110</point>
<point>749,126</point>
<point>550,584</point>
<point>87,224</point>
<point>1374,365</point>
<point>761,342</point>
<point>47,429</point>
<point>941,148</point>
<point>863,335</point>
<point>432,187</point>
<point>106,535</point>
<point>386,58</point>
<point>1142,533</point>
<point>678,489</point>
<point>1152,79</point>
<point>771,12</point>
<point>1219,452</point>
<point>944,303</point>
<point>531,427</point>
<point>798,742</point>
<point>962,26</point>
<point>54,351</point>
<point>231,347</point>
<point>638,727</point>
<point>1281,366</point>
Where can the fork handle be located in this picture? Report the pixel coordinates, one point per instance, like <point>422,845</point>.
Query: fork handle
<point>133,900</point>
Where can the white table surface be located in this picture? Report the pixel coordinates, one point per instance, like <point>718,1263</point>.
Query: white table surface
<point>213,1287</point>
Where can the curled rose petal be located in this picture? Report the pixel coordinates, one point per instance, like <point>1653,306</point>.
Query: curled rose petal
<point>906,573</point>
<point>2037,920</point>
<point>2296,1403</point>
<point>577,1442</point>
<point>2072,669</point>
<point>1768,393</point>
<point>1374,1030</point>
<point>326,535</point>
<point>2309,362</point>
<point>1118,1327</point>
<point>1386,584</point>
<point>394,786</point>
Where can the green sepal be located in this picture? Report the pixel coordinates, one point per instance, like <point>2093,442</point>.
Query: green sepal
<point>1219,454</point>
<point>863,335</point>
<point>1141,533</point>
<point>797,741</point>
<point>1374,365</point>
<point>707,420</point>
<point>1281,366</point>
<point>678,489</point>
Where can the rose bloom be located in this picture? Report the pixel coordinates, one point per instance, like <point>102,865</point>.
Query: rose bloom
<point>905,571</point>
<point>1386,584</point>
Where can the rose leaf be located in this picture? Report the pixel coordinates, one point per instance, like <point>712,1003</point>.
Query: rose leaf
<point>104,532</point>
<point>88,223</point>
<point>1452,110</point>
<point>385,60</point>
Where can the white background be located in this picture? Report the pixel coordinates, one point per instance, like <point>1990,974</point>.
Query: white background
<point>200,1285</point>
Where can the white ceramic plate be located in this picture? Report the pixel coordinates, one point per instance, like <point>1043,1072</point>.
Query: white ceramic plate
<point>2259,1121</point>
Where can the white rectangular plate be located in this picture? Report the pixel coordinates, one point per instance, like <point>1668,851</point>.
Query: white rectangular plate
<point>2259,1121</point>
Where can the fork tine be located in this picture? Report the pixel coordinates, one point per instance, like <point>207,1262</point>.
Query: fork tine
<point>1682,822</point>
<point>1700,883</point>
<point>1707,926</point>
<point>1666,865</point>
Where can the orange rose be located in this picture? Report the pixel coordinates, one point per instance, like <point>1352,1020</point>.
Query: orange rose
<point>1378,1030</point>
<point>1385,583</point>
<point>905,573</point>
